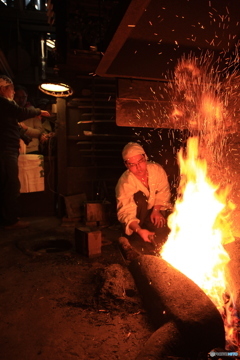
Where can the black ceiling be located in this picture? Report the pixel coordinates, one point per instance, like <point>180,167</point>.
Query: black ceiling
<point>154,34</point>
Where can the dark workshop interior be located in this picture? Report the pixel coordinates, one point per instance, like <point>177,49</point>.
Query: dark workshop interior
<point>61,299</point>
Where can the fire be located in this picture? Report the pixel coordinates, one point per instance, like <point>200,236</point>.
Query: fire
<point>199,227</point>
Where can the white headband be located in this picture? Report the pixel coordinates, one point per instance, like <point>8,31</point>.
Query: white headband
<point>132,149</point>
<point>5,82</point>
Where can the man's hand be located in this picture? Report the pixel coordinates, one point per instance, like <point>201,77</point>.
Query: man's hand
<point>45,113</point>
<point>23,126</point>
<point>157,218</point>
<point>146,234</point>
<point>45,137</point>
<point>143,233</point>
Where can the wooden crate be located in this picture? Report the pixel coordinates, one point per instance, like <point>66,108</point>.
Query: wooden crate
<point>88,242</point>
<point>96,213</point>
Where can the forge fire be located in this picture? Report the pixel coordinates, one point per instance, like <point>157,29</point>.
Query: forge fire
<point>201,221</point>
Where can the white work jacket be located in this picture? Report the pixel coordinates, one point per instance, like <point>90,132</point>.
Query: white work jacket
<point>129,184</point>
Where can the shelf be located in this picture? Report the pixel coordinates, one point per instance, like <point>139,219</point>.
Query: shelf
<point>92,100</point>
<point>99,142</point>
<point>104,100</point>
<point>105,93</point>
<point>101,156</point>
<point>98,150</point>
<point>77,100</point>
<point>105,167</point>
<point>85,137</point>
<point>97,78</point>
<point>95,121</point>
<point>106,85</point>
<point>99,114</point>
<point>106,135</point>
<point>94,107</point>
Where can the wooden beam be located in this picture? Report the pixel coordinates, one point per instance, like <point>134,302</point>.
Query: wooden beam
<point>129,21</point>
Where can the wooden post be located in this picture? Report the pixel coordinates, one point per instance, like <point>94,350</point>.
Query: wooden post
<point>61,153</point>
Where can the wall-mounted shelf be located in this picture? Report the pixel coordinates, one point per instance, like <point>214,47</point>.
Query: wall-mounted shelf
<point>96,121</point>
<point>94,142</point>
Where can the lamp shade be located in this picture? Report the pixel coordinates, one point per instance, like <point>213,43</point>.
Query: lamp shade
<point>56,89</point>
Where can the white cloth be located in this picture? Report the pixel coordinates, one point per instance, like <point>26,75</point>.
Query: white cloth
<point>128,185</point>
<point>34,131</point>
<point>31,172</point>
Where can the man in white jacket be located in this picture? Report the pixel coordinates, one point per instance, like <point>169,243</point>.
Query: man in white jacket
<point>142,194</point>
<point>34,125</point>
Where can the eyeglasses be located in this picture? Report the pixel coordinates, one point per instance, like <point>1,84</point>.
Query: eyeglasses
<point>132,165</point>
<point>21,97</point>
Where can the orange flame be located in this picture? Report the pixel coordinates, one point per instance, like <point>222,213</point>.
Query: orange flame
<point>199,227</point>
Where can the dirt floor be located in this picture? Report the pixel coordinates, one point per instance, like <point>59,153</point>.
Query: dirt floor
<point>61,305</point>
<point>58,304</point>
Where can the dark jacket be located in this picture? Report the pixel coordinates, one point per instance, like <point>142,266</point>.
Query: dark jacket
<point>10,115</point>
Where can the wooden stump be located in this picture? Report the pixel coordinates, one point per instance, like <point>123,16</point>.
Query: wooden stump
<point>169,296</point>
